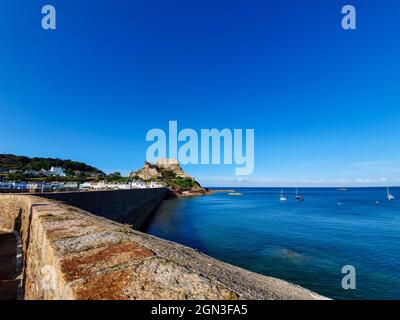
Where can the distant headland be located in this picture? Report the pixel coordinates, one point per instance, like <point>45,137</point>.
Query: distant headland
<point>38,174</point>
<point>19,168</point>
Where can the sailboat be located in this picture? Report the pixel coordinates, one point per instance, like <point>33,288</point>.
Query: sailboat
<point>389,196</point>
<point>282,197</point>
<point>299,197</point>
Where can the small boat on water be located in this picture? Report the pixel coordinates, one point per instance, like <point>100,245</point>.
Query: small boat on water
<point>299,197</point>
<point>235,194</point>
<point>342,189</point>
<point>389,195</point>
<point>282,197</point>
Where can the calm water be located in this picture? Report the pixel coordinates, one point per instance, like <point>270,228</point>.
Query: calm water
<point>306,243</point>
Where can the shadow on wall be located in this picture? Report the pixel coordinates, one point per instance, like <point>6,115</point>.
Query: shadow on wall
<point>131,207</point>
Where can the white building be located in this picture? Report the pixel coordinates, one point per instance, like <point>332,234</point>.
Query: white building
<point>99,185</point>
<point>14,185</point>
<point>57,171</point>
<point>138,185</point>
<point>86,185</point>
<point>154,185</point>
<point>70,185</point>
<point>34,185</point>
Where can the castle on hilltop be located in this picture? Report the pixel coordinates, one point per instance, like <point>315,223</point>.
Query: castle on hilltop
<point>164,162</point>
<point>160,169</point>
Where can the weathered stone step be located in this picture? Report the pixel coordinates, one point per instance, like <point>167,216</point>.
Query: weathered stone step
<point>8,283</point>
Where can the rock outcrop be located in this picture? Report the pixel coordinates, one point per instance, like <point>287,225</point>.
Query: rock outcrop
<point>148,172</point>
<point>170,173</point>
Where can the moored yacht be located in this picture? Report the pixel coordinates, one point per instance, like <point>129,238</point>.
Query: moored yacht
<point>389,195</point>
<point>299,197</point>
<point>282,197</point>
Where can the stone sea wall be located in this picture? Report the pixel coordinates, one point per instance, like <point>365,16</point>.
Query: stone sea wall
<point>131,207</point>
<point>69,253</point>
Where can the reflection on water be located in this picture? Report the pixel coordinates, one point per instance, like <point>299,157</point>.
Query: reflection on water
<point>289,254</point>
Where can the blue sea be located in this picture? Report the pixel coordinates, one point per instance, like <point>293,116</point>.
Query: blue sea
<point>306,243</point>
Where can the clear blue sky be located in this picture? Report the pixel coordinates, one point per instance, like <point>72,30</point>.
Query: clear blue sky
<point>324,102</point>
